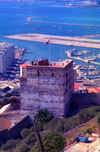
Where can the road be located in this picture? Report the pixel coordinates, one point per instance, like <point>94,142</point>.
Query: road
<point>93,146</point>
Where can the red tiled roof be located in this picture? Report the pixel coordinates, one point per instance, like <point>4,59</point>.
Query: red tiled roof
<point>77,85</point>
<point>24,65</point>
<point>4,124</point>
<point>95,90</point>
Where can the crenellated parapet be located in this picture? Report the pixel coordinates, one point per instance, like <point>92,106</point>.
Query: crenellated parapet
<point>47,86</point>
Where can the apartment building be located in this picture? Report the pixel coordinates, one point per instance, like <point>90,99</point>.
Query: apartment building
<point>7,54</point>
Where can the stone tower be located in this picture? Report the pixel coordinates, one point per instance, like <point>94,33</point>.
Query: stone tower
<point>46,85</point>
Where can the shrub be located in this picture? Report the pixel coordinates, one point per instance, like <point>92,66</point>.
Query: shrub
<point>36,148</point>
<point>32,129</point>
<point>25,133</point>
<point>10,144</point>
<point>88,130</point>
<point>21,148</point>
<point>30,139</point>
<point>52,124</point>
<point>98,119</point>
<point>84,116</point>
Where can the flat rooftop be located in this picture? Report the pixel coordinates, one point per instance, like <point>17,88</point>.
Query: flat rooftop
<point>46,63</point>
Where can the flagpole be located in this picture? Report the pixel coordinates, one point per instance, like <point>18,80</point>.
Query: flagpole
<point>49,53</point>
<point>48,42</point>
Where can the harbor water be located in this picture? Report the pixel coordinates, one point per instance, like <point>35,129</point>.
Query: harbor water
<point>13,20</point>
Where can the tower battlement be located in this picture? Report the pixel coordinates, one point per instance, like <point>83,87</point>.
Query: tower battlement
<point>46,85</point>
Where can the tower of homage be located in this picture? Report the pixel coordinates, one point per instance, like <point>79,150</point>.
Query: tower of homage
<point>45,84</point>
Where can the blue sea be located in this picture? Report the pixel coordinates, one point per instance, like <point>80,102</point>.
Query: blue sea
<point>13,16</point>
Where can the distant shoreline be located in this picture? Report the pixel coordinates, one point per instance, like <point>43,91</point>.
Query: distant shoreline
<point>76,6</point>
<point>60,5</point>
<point>82,6</point>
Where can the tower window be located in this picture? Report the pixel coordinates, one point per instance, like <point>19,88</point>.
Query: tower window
<point>38,73</point>
<point>52,73</point>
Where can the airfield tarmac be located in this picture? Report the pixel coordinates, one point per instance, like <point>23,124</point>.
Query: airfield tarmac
<point>62,40</point>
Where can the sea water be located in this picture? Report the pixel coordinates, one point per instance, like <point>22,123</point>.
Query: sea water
<point>13,19</point>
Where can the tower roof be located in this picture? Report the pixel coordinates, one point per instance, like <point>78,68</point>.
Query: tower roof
<point>46,63</point>
<point>25,65</point>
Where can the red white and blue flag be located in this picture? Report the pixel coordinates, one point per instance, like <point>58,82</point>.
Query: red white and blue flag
<point>47,42</point>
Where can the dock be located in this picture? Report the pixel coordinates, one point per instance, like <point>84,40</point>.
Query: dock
<point>61,40</point>
<point>78,58</point>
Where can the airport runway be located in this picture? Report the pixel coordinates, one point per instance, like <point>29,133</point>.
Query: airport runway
<point>62,40</point>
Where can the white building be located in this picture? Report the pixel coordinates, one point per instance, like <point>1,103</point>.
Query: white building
<point>7,54</point>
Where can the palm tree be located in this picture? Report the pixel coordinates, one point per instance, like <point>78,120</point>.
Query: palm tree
<point>42,117</point>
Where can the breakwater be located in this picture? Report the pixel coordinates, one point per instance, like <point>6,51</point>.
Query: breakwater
<point>29,20</point>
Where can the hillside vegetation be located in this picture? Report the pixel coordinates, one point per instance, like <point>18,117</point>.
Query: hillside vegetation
<point>29,138</point>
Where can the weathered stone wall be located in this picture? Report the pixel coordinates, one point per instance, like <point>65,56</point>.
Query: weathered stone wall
<point>46,87</point>
<point>69,87</point>
<point>86,98</point>
<point>14,132</point>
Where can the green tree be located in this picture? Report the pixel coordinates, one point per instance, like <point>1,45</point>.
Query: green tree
<point>52,141</point>
<point>42,117</point>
